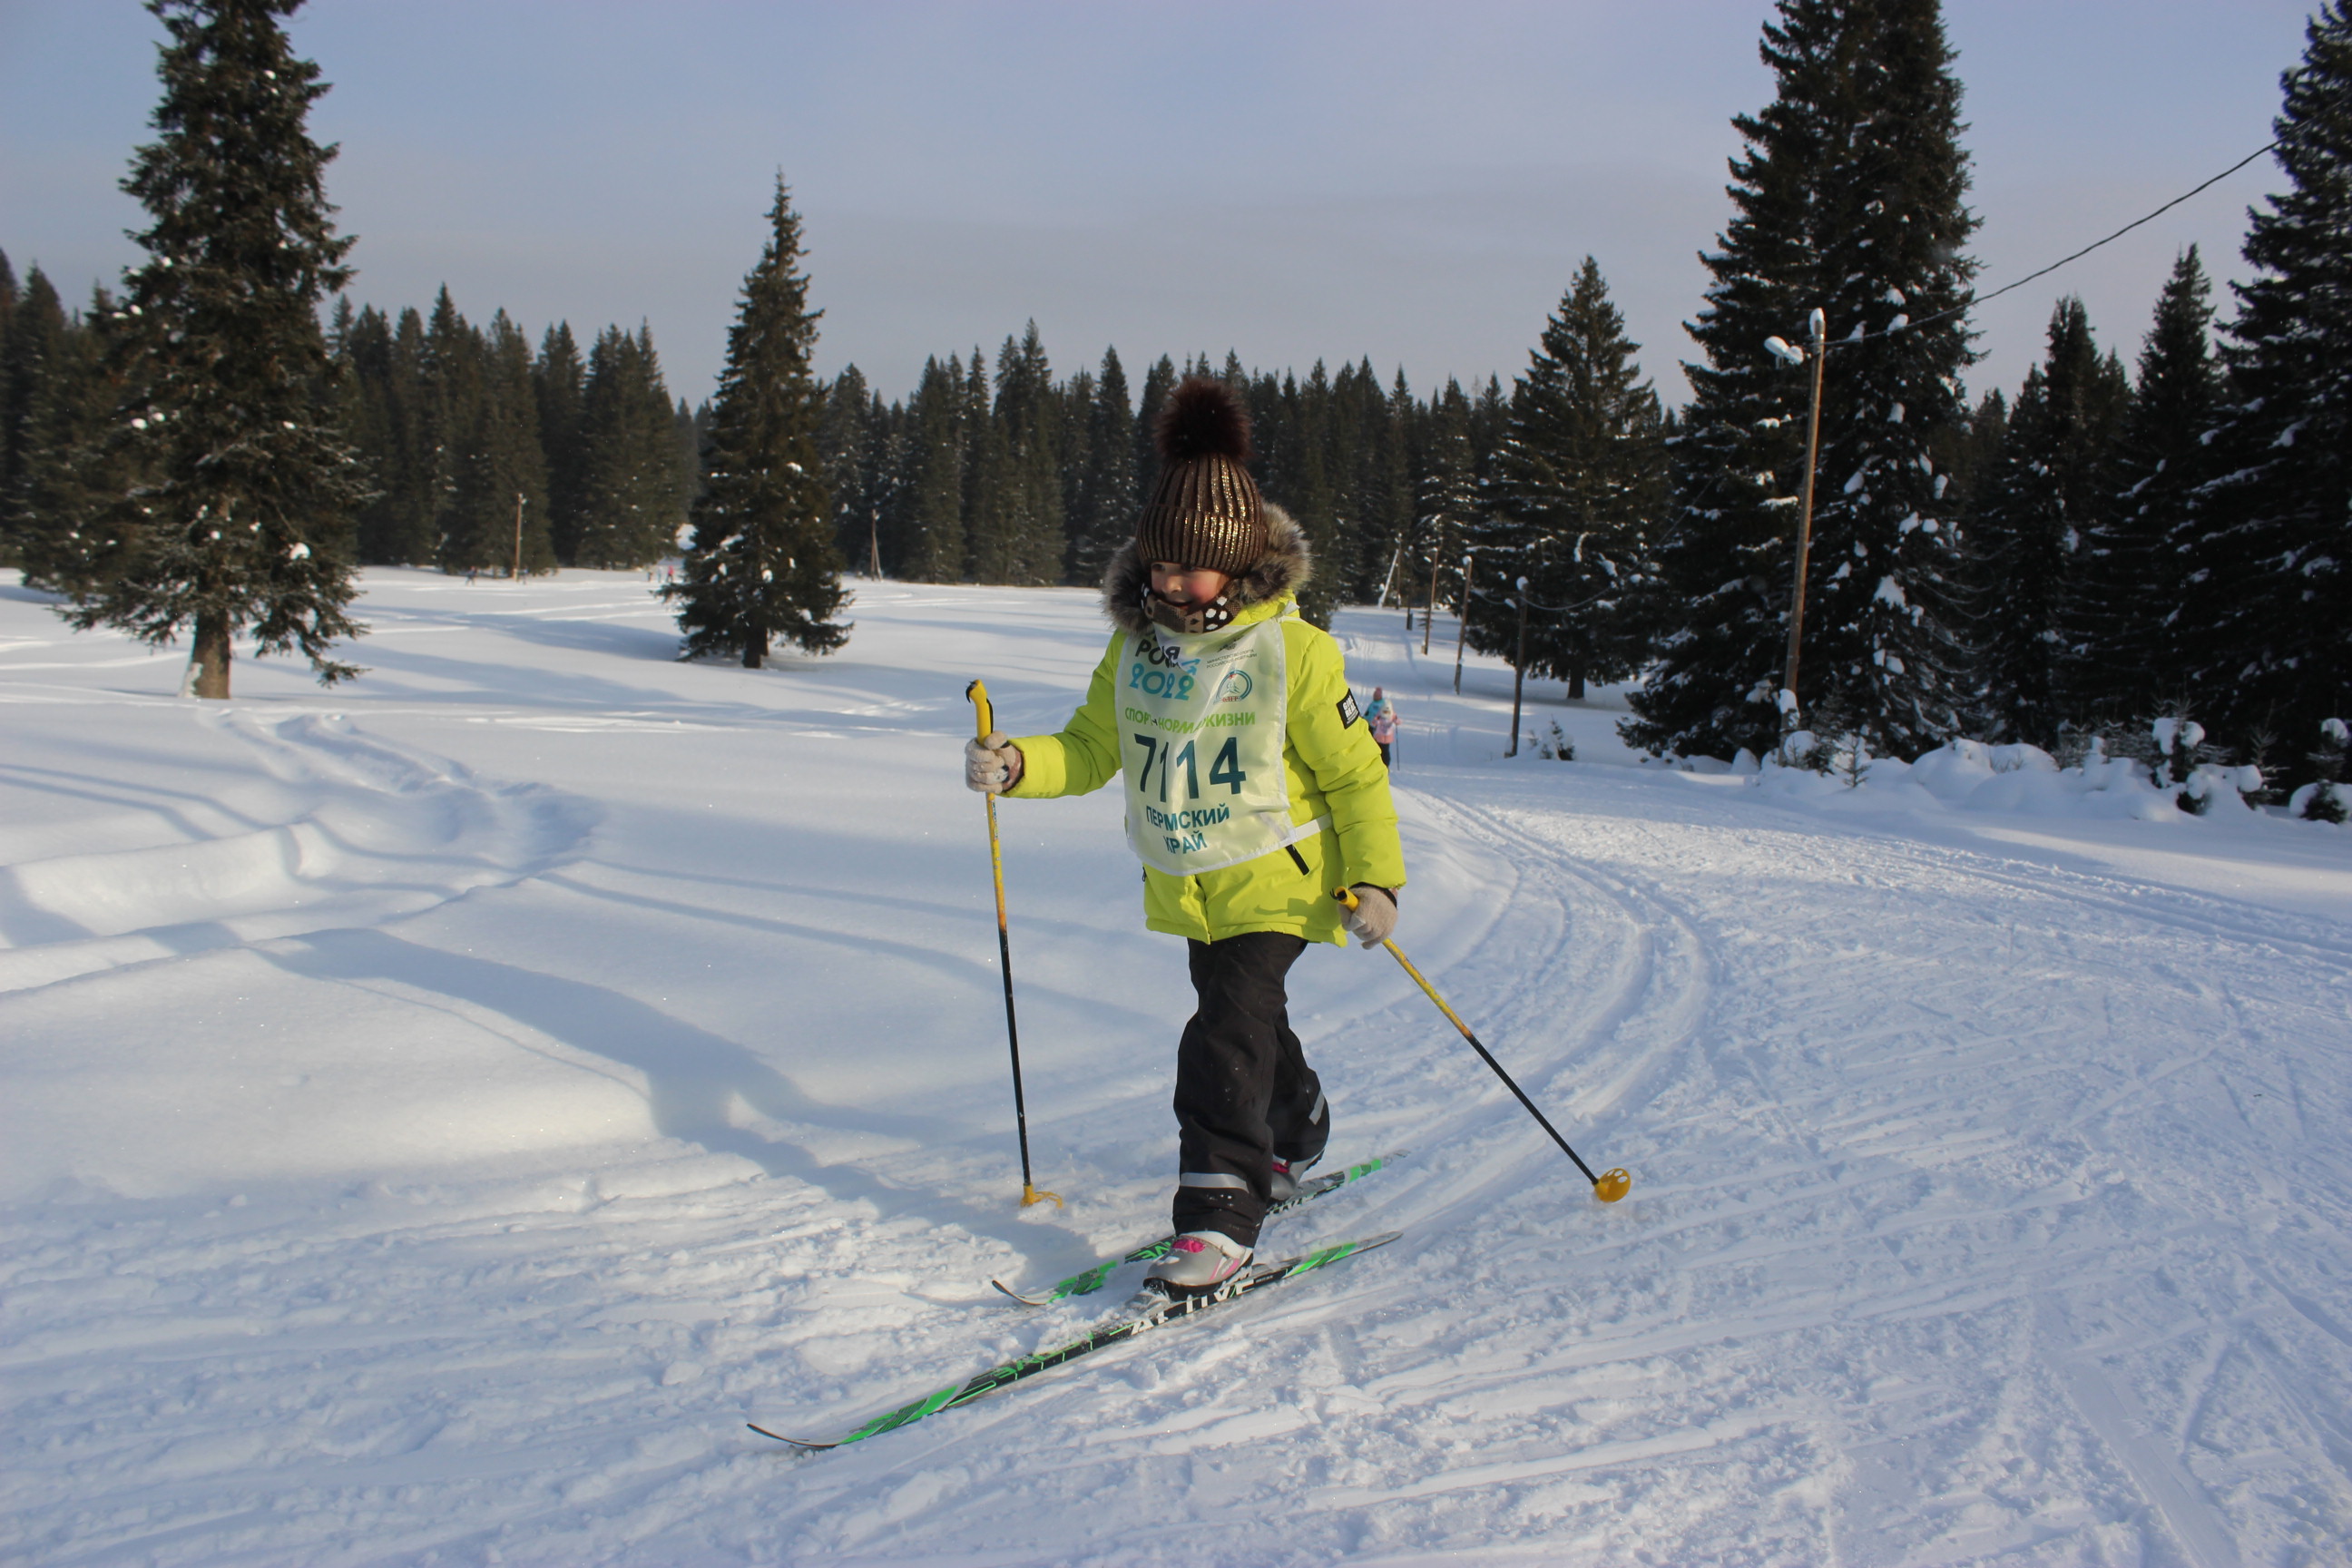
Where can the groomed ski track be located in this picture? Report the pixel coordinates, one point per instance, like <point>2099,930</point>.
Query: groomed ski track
<point>631,1066</point>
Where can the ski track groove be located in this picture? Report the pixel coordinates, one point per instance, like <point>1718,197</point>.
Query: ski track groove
<point>1982,1212</point>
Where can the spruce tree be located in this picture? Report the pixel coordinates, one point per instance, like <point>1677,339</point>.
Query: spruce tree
<point>18,358</point>
<point>1447,499</point>
<point>451,407</point>
<point>1111,504</point>
<point>689,428</point>
<point>2051,494</point>
<point>500,511</point>
<point>8,320</point>
<point>1578,487</point>
<point>36,347</point>
<point>1157,382</point>
<point>1016,533</point>
<point>633,492</point>
<point>763,563</point>
<point>559,379</point>
<point>401,525</point>
<point>361,343</point>
<point>1296,473</point>
<point>2134,577</point>
<point>247,490</point>
<point>928,534</point>
<point>991,548</point>
<point>2269,640</point>
<point>844,450</point>
<point>60,402</point>
<point>1849,199</point>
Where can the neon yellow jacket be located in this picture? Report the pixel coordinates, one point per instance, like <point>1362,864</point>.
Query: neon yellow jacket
<point>1329,764</point>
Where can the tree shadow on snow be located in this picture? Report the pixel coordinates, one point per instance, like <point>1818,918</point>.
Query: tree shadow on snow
<point>690,1073</point>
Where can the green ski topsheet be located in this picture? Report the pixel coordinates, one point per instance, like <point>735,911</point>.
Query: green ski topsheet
<point>1254,1277</point>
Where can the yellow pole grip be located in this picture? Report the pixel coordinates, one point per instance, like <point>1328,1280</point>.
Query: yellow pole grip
<point>980,710</point>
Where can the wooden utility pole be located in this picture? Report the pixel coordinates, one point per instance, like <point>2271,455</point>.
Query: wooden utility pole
<point>517,564</point>
<point>1429,611</point>
<point>1804,527</point>
<point>1462,626</point>
<point>1518,670</point>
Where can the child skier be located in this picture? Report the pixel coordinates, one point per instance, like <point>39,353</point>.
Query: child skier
<point>1380,717</point>
<point>1253,790</point>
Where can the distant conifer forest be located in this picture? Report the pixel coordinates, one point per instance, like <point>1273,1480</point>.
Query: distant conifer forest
<point>2145,531</point>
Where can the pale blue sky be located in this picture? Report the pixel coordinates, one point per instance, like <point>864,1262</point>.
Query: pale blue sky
<point>1413,182</point>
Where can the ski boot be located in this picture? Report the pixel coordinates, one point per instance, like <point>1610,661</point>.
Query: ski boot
<point>1281,1184</point>
<point>1195,1264</point>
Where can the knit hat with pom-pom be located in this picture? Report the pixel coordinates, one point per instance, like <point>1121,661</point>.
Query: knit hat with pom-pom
<point>1206,513</point>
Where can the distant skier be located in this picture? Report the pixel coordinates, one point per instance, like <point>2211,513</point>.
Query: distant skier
<point>1381,719</point>
<point>1253,790</point>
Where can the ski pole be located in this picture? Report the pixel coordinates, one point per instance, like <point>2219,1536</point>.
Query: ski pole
<point>1029,1192</point>
<point>1608,1186</point>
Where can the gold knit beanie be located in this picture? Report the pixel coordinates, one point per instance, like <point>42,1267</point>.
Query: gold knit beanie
<point>1206,513</point>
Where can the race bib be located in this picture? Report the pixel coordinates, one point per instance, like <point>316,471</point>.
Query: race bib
<point>1201,742</point>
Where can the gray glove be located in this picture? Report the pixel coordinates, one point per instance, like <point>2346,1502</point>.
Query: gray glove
<point>1375,918</point>
<point>992,765</point>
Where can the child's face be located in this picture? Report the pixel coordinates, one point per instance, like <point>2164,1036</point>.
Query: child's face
<point>1185,586</point>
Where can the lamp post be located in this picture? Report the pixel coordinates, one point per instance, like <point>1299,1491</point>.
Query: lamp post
<point>1779,350</point>
<point>1518,670</point>
<point>1429,610</point>
<point>518,555</point>
<point>1462,626</point>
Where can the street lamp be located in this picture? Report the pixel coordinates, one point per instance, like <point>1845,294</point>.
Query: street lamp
<point>1519,669</point>
<point>1786,354</point>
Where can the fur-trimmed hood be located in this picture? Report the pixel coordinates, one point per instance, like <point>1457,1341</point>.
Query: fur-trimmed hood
<point>1284,568</point>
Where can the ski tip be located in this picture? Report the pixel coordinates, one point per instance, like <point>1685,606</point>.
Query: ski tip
<point>802,1444</point>
<point>1025,1300</point>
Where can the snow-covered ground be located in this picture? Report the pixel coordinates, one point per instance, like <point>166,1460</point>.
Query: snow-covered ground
<point>438,1112</point>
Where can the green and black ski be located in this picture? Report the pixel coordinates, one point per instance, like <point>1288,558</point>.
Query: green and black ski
<point>1256,1277</point>
<point>1089,1281</point>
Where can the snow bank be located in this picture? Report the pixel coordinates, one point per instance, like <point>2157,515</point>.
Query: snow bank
<point>293,825</point>
<point>2016,780</point>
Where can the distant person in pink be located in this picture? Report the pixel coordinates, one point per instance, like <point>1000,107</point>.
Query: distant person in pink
<point>1381,716</point>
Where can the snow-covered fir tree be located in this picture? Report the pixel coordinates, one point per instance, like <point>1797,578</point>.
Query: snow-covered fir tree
<point>1575,501</point>
<point>2050,492</point>
<point>762,564</point>
<point>2133,577</point>
<point>2269,636</point>
<point>843,447</point>
<point>1849,200</point>
<point>240,519</point>
<point>1446,508</point>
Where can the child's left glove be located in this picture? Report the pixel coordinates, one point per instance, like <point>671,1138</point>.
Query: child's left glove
<point>1375,918</point>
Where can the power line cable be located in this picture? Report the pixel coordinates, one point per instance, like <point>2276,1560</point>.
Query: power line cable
<point>1859,336</point>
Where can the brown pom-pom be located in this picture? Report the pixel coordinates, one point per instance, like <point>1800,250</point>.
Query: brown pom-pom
<point>1202,419</point>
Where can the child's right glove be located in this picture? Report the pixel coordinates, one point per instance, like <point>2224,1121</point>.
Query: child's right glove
<point>992,765</point>
<point>1374,917</point>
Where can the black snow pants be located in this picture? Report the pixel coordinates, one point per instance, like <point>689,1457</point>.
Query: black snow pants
<point>1244,1094</point>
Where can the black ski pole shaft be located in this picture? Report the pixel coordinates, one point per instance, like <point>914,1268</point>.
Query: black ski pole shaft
<point>1029,1191</point>
<point>1609,1186</point>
